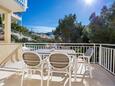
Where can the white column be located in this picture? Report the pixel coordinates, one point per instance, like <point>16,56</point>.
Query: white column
<point>7,27</point>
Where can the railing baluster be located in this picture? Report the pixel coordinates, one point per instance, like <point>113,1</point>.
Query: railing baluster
<point>109,59</point>
<point>106,59</point>
<point>113,61</point>
<point>94,53</point>
<point>104,56</point>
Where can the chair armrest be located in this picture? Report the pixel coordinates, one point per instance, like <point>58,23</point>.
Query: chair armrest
<point>79,53</point>
<point>83,56</point>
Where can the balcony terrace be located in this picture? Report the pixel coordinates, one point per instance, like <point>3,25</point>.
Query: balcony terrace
<point>103,65</point>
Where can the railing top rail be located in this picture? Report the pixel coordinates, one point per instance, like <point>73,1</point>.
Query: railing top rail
<point>76,43</point>
<point>90,44</point>
<point>109,48</point>
<point>60,43</point>
<point>10,43</point>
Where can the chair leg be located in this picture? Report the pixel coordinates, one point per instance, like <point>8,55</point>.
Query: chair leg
<point>51,75</point>
<point>75,71</point>
<point>90,71</point>
<point>86,67</point>
<point>22,79</point>
<point>48,77</point>
<point>41,78</point>
<point>70,78</point>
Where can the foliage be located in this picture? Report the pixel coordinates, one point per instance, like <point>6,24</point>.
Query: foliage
<point>16,28</point>
<point>85,35</point>
<point>102,27</point>
<point>14,38</point>
<point>24,40</point>
<point>68,30</point>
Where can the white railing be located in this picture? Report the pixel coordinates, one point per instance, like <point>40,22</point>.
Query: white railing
<point>22,3</point>
<point>104,54</point>
<point>107,58</point>
<point>79,48</point>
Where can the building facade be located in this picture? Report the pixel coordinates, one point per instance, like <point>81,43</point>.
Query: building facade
<point>9,8</point>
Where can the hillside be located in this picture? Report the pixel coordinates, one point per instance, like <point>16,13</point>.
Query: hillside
<point>22,34</point>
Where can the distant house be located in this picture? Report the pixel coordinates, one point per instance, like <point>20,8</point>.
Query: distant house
<point>21,36</point>
<point>45,35</point>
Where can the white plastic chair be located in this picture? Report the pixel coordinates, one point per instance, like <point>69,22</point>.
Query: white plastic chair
<point>86,59</point>
<point>60,63</point>
<point>33,62</point>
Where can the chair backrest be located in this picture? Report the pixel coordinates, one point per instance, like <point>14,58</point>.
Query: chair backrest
<point>31,58</point>
<point>89,52</point>
<point>59,60</point>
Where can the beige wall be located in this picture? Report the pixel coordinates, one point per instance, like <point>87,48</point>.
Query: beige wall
<point>9,52</point>
<point>7,24</point>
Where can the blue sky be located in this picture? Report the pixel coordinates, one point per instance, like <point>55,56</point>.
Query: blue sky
<point>43,15</point>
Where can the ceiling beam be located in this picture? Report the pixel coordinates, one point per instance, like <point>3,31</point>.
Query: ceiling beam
<point>4,10</point>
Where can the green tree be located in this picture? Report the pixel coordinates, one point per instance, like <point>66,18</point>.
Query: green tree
<point>102,27</point>
<point>14,38</point>
<point>85,35</point>
<point>17,27</point>
<point>24,31</point>
<point>68,30</point>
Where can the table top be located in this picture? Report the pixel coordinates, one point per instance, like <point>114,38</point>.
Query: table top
<point>44,51</point>
<point>70,52</point>
<point>48,51</point>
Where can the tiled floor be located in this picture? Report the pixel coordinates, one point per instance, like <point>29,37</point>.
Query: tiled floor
<point>100,78</point>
